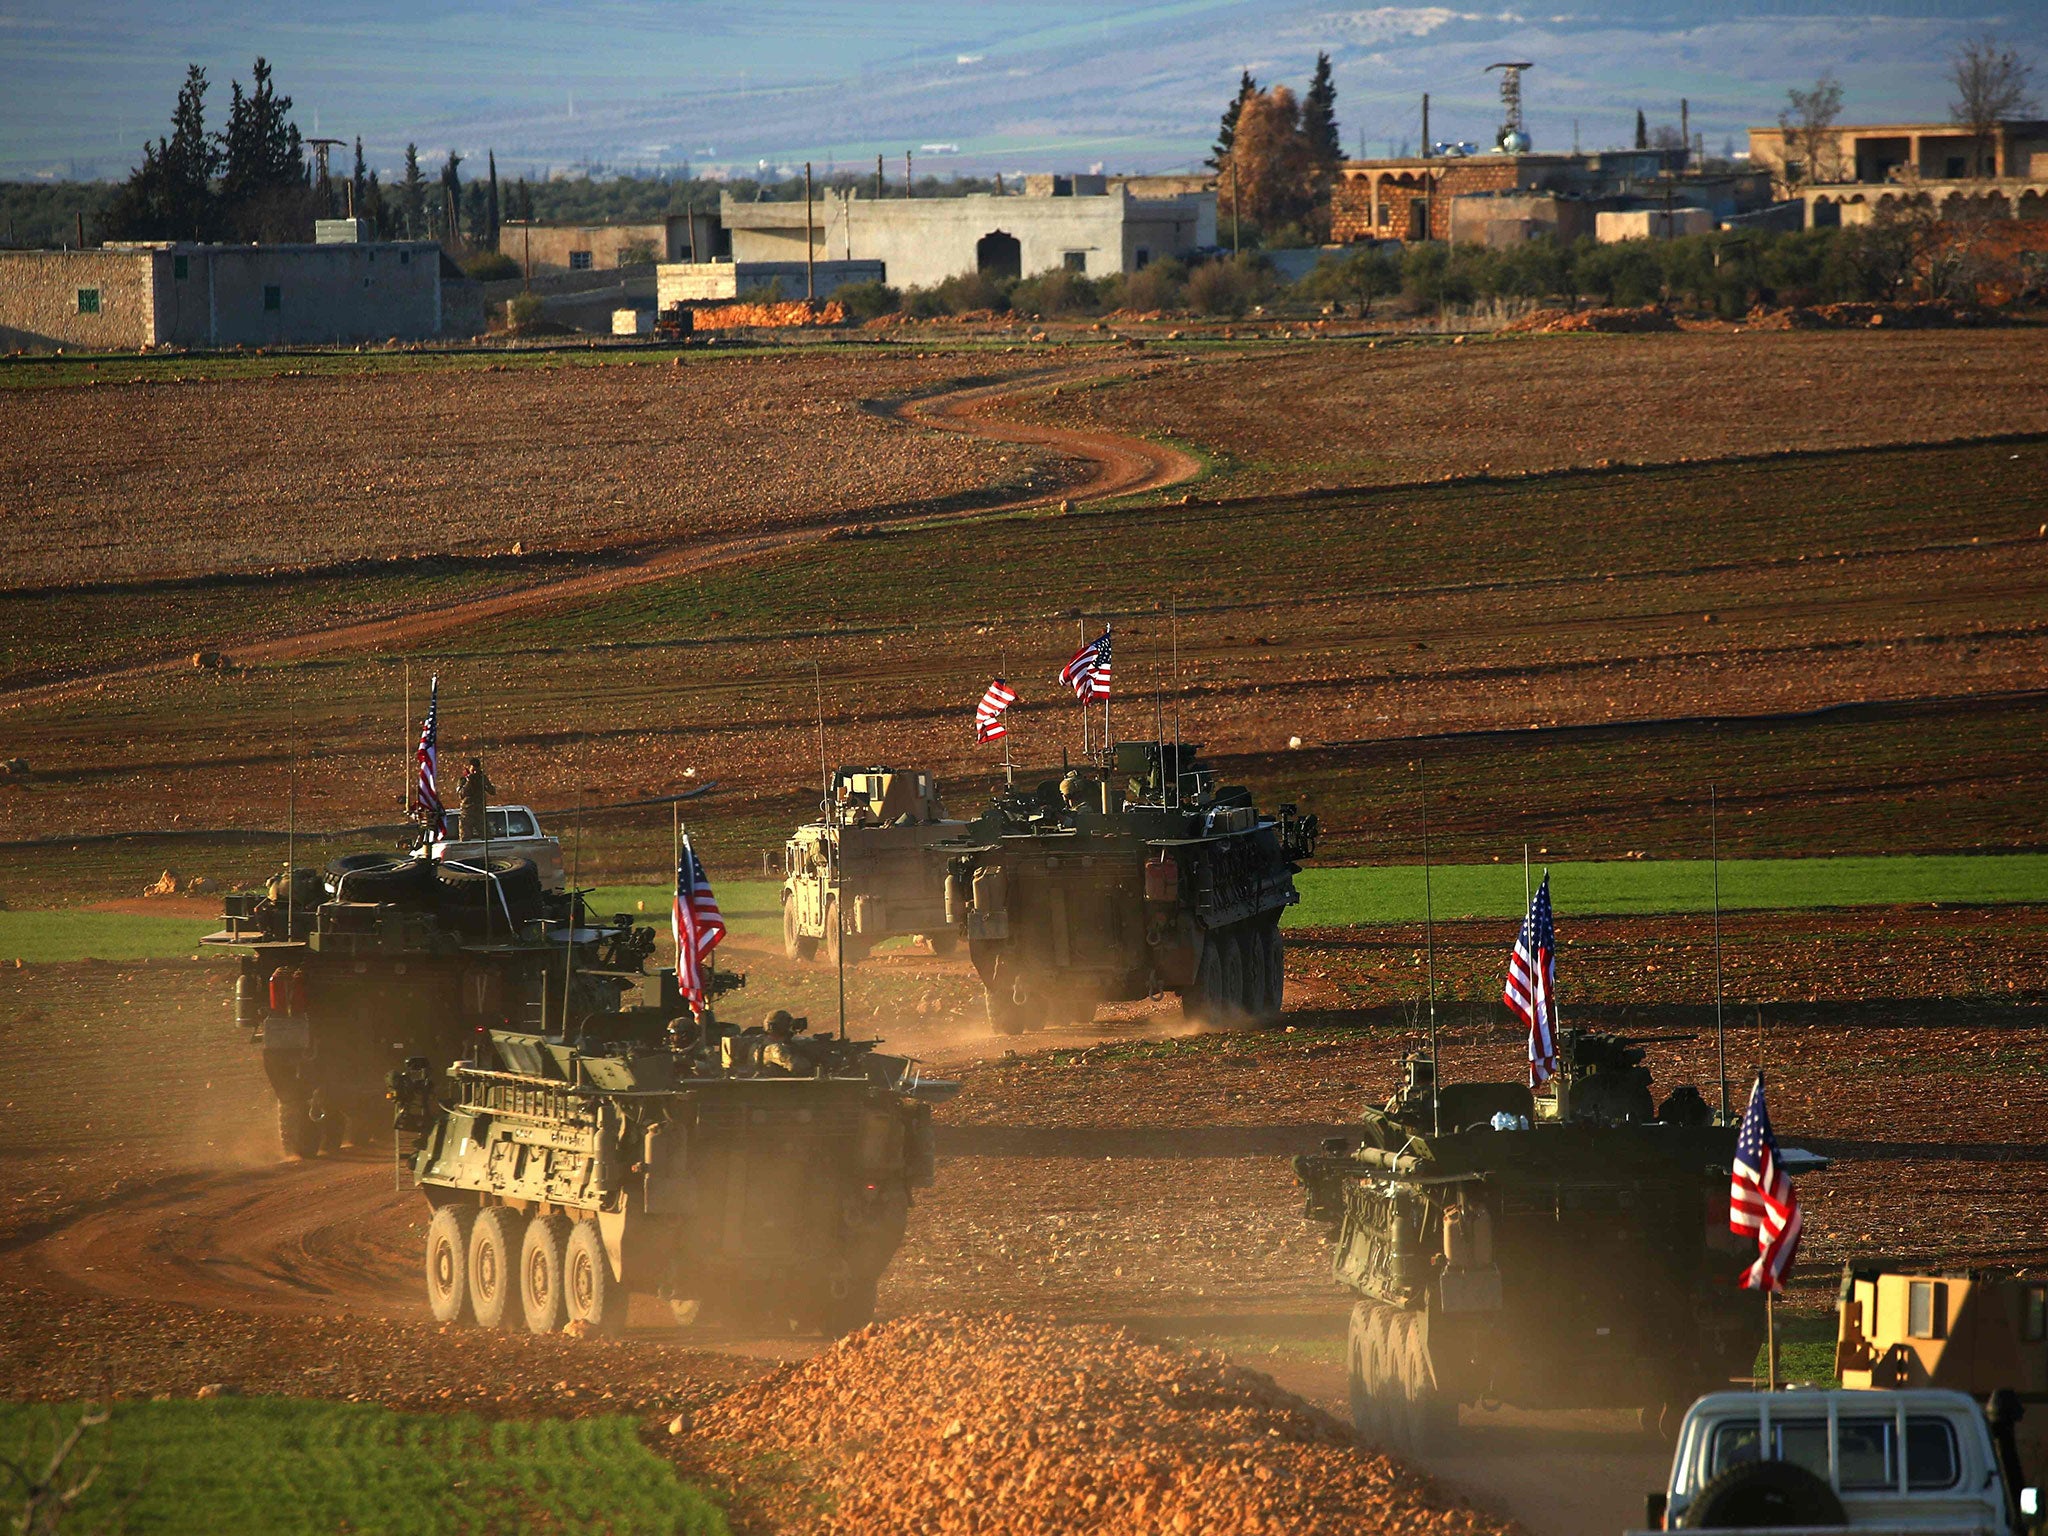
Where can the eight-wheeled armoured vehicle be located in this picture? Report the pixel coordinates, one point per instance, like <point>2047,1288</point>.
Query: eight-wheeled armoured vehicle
<point>759,1177</point>
<point>348,972</point>
<point>1124,882</point>
<point>1567,1252</point>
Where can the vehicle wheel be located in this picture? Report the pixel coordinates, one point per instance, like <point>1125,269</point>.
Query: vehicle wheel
<point>685,1312</point>
<point>1276,966</point>
<point>332,1121</point>
<point>542,1257</point>
<point>493,1267</point>
<point>1009,1014</point>
<point>943,944</point>
<point>830,945</point>
<point>1755,1494</point>
<point>1230,980</point>
<point>848,1304</point>
<point>1432,1423</point>
<point>593,1295</point>
<point>1251,947</point>
<point>1357,1355</point>
<point>298,1133</point>
<point>448,1264</point>
<point>795,946</point>
<point>369,1123</point>
<point>1202,1003</point>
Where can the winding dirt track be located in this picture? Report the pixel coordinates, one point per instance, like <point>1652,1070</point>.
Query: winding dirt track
<point>1111,465</point>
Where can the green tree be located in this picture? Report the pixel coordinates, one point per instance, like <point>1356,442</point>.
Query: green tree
<point>1226,131</point>
<point>1642,130</point>
<point>412,196</point>
<point>451,199</point>
<point>1319,118</point>
<point>170,195</point>
<point>491,220</point>
<point>264,192</point>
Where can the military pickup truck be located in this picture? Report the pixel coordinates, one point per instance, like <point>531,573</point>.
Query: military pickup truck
<point>515,833</point>
<point>1912,1462</point>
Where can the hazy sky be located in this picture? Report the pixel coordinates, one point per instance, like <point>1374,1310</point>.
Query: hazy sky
<point>1026,84</point>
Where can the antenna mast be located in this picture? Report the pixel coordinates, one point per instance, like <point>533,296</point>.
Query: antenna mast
<point>1720,1029</point>
<point>1512,139</point>
<point>1429,950</point>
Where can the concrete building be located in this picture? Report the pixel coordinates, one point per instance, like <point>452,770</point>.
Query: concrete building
<point>1076,222</point>
<point>545,248</point>
<point>1859,170</point>
<point>127,297</point>
<point>718,282</point>
<point>1499,199</point>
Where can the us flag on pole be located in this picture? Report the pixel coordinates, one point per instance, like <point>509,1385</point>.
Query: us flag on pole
<point>697,924</point>
<point>988,714</point>
<point>1761,1199</point>
<point>1088,673</point>
<point>431,811</point>
<point>1532,983</point>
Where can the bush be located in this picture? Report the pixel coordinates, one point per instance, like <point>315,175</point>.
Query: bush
<point>491,266</point>
<point>1055,291</point>
<point>1358,278</point>
<point>1626,273</point>
<point>769,292</point>
<point>522,310</point>
<point>638,253</point>
<point>1160,285</point>
<point>867,301</point>
<point>1228,287</point>
<point>968,291</point>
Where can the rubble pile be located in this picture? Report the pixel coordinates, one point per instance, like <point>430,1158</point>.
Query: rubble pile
<point>1928,315</point>
<point>945,1422</point>
<point>1550,322</point>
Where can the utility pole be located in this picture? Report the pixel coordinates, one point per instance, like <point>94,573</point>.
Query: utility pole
<point>878,178</point>
<point>1425,125</point>
<point>1428,181</point>
<point>909,182</point>
<point>1236,209</point>
<point>810,249</point>
<point>1685,125</point>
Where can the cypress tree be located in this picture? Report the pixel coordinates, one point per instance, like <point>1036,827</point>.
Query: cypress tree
<point>1226,131</point>
<point>1642,131</point>
<point>491,212</point>
<point>1319,117</point>
<point>412,196</point>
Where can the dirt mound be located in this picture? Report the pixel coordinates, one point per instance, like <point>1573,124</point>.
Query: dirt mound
<point>1550,322</point>
<point>952,1423</point>
<point>1933,314</point>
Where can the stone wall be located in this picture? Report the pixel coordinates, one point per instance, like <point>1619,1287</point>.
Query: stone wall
<point>41,308</point>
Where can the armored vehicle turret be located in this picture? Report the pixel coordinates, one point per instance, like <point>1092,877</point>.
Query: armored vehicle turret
<point>754,1177</point>
<point>1124,882</point>
<point>349,972</point>
<point>868,869</point>
<point>1564,1252</point>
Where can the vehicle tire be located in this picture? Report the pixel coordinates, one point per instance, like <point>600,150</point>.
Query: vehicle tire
<point>465,895</point>
<point>1755,1494</point>
<point>380,877</point>
<point>1230,980</point>
<point>543,1255</point>
<point>847,1306</point>
<point>1251,946</point>
<point>592,1294</point>
<point>943,944</point>
<point>1202,1003</point>
<point>1276,966</point>
<point>1007,1014</point>
<point>448,1264</point>
<point>494,1267</point>
<point>1356,1356</point>
<point>298,1133</point>
<point>832,941</point>
<point>1381,1380</point>
<point>795,946</point>
<point>1432,1423</point>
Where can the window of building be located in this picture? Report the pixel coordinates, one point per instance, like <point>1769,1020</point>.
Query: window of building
<point>1957,168</point>
<point>273,298</point>
<point>579,261</point>
<point>88,301</point>
<point>405,258</point>
<point>1144,257</point>
<point>1076,261</point>
<point>2034,1314</point>
<point>181,267</point>
<point>1927,1310</point>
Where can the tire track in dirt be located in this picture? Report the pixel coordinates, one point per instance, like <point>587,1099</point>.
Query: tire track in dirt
<point>1112,465</point>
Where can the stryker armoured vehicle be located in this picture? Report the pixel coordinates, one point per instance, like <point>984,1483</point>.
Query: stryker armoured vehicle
<point>870,860</point>
<point>757,1177</point>
<point>350,972</point>
<point>1115,885</point>
<point>1577,1256</point>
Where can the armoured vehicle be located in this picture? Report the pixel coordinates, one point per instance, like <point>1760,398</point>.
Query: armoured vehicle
<point>348,972</point>
<point>751,1177</point>
<point>1568,1252</point>
<point>1123,883</point>
<point>873,855</point>
<point>515,833</point>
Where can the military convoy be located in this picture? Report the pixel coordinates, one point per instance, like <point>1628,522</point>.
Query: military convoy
<point>350,971</point>
<point>1568,1252</point>
<point>1125,883</point>
<point>755,1178</point>
<point>867,869</point>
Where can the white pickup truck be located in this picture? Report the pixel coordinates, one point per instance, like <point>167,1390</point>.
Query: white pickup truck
<point>515,833</point>
<point>1915,1463</point>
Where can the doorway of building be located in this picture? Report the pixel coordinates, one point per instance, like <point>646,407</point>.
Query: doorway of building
<point>999,255</point>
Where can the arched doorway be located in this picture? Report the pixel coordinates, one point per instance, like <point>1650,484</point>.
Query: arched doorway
<point>999,255</point>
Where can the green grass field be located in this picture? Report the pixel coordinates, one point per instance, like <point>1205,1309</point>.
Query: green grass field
<point>1329,897</point>
<point>288,1465</point>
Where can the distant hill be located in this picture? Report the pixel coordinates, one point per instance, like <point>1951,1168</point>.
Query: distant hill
<point>1058,83</point>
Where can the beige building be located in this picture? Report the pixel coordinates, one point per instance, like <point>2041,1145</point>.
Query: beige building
<point>1862,169</point>
<point>122,298</point>
<point>544,248</point>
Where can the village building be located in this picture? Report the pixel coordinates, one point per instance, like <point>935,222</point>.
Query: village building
<point>1856,170</point>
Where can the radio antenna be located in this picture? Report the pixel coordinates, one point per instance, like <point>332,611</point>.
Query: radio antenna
<point>1720,1028</point>
<point>1429,951</point>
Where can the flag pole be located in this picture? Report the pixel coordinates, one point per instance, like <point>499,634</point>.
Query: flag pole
<point>291,830</point>
<point>405,748</point>
<point>575,901</point>
<point>824,771</point>
<point>1173,614</point>
<point>1720,1027</point>
<point>1082,626</point>
<point>1429,943</point>
<point>1770,1296</point>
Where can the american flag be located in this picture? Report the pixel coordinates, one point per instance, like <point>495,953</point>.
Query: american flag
<point>697,925</point>
<point>1532,985</point>
<point>988,714</point>
<point>1761,1199</point>
<point>431,811</point>
<point>1088,673</point>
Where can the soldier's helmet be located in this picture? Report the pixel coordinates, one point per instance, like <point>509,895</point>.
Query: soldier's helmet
<point>780,1022</point>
